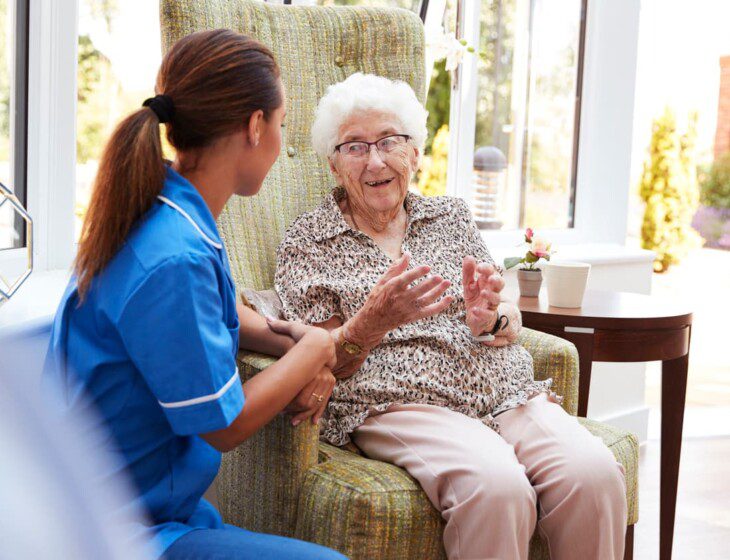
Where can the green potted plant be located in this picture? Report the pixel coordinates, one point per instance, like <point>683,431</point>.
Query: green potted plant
<point>529,275</point>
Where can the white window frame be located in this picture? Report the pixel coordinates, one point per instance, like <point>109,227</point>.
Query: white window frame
<point>606,127</point>
<point>50,187</point>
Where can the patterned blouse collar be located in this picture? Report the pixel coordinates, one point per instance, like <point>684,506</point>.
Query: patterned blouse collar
<point>418,207</point>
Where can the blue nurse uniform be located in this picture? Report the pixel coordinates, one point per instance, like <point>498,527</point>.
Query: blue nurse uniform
<point>153,346</point>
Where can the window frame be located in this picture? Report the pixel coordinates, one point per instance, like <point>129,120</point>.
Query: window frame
<point>463,113</point>
<point>19,117</point>
<point>51,170</point>
<point>604,137</point>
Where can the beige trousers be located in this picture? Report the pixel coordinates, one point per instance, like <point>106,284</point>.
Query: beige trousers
<point>488,487</point>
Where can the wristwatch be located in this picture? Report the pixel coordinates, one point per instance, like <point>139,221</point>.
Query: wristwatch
<point>500,324</point>
<point>349,347</point>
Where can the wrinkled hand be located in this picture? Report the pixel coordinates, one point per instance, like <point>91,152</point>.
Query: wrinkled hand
<point>399,298</point>
<point>311,402</point>
<point>482,285</point>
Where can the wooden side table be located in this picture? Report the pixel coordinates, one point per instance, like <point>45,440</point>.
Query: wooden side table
<point>627,327</point>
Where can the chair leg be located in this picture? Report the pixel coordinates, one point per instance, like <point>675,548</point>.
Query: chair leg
<point>629,546</point>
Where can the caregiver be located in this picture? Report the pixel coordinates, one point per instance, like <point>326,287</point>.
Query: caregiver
<point>148,328</point>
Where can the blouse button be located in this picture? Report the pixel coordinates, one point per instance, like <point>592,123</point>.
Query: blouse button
<point>291,151</point>
<point>339,61</point>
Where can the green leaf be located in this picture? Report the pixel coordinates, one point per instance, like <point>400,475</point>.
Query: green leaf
<point>530,257</point>
<point>509,262</point>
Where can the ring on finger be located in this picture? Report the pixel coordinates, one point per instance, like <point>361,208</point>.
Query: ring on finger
<point>319,398</point>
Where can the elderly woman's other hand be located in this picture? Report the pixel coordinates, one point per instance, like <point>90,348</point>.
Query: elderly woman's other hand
<point>398,300</point>
<point>311,402</point>
<point>482,285</point>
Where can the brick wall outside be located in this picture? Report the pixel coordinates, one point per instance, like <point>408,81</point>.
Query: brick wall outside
<point>722,134</point>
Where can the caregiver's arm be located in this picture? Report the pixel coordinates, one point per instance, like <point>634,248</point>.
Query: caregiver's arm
<point>254,334</point>
<point>268,392</point>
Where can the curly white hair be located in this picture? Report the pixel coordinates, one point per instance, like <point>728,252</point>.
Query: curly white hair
<point>363,92</point>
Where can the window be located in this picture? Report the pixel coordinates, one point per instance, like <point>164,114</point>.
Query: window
<point>115,74</point>
<point>13,111</point>
<point>527,113</point>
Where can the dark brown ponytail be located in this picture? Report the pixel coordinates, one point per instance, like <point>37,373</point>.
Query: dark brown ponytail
<point>214,80</point>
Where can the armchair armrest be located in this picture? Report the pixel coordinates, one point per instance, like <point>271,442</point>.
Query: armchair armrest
<point>259,481</point>
<point>557,358</point>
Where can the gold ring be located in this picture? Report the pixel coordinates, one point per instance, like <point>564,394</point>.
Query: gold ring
<point>319,398</point>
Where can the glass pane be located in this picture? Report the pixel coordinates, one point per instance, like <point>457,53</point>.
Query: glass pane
<point>115,75</point>
<point>412,5</point>
<point>9,229</point>
<point>525,113</point>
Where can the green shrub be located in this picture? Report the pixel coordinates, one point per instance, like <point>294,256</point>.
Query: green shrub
<point>715,183</point>
<point>669,188</point>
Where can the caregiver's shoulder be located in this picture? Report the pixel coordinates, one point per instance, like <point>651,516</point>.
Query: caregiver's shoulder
<point>163,234</point>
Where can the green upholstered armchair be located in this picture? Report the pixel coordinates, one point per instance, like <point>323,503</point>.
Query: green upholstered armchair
<point>283,480</point>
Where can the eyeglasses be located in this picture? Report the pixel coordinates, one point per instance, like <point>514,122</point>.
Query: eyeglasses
<point>360,148</point>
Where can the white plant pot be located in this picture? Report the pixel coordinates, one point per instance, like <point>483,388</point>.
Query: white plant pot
<point>566,282</point>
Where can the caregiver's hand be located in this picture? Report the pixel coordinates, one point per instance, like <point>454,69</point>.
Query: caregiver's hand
<point>306,334</point>
<point>397,300</point>
<point>482,285</point>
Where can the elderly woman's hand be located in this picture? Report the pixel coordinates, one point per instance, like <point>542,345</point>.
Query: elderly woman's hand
<point>396,300</point>
<point>482,285</point>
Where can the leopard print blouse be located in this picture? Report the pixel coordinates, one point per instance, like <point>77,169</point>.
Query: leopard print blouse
<point>326,269</point>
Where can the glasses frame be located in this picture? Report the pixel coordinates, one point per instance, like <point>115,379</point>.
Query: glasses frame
<point>370,144</point>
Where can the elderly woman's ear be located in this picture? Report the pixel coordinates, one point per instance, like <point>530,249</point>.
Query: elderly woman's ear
<point>335,173</point>
<point>415,159</point>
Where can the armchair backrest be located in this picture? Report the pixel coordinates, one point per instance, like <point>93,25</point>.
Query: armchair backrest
<point>315,47</point>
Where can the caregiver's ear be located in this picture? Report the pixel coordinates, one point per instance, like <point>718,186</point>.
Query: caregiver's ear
<point>255,127</point>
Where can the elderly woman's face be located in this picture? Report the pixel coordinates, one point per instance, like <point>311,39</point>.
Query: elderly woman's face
<point>378,180</point>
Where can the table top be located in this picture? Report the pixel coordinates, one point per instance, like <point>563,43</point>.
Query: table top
<point>606,310</point>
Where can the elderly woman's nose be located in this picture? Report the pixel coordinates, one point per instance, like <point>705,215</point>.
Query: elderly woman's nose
<point>375,160</point>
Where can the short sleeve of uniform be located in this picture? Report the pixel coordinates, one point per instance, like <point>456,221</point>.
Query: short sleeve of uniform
<point>174,329</point>
<point>305,286</point>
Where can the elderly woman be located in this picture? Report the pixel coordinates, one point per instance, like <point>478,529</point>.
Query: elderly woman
<point>409,292</point>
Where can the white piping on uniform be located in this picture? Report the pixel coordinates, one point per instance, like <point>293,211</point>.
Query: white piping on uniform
<point>171,204</point>
<point>206,398</point>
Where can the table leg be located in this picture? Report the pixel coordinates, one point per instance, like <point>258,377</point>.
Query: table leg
<point>674,388</point>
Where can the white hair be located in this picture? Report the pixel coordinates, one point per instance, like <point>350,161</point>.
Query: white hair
<point>367,92</point>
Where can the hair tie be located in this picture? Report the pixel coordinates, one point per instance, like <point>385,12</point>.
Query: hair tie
<point>161,106</point>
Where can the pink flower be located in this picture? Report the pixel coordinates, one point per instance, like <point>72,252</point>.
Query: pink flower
<point>528,235</point>
<point>540,247</point>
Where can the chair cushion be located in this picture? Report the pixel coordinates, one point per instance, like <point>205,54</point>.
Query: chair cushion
<point>370,509</point>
